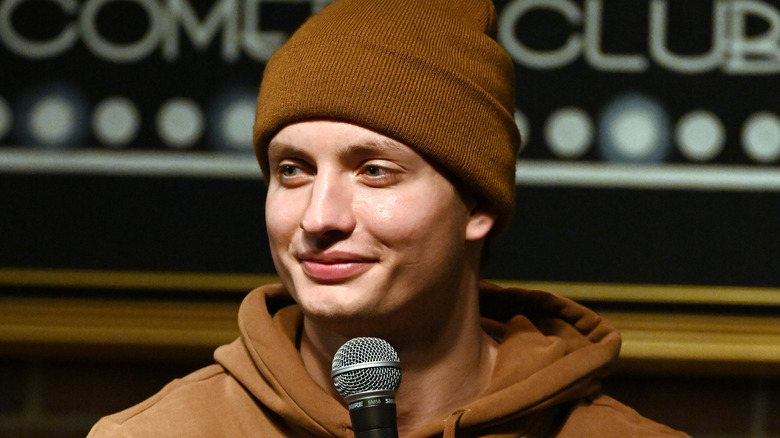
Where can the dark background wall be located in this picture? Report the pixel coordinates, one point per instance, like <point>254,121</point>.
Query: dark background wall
<point>125,134</point>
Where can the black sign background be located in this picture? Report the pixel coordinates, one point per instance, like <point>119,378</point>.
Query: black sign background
<point>561,232</point>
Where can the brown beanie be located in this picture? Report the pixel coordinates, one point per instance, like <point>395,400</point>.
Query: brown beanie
<point>428,73</point>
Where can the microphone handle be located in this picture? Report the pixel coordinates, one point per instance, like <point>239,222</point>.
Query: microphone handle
<point>377,433</point>
<point>374,418</point>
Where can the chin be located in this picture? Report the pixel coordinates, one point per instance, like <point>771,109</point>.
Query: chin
<point>333,301</point>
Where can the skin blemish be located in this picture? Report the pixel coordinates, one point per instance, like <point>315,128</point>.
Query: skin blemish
<point>380,209</point>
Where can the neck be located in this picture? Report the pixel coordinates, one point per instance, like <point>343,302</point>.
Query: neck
<point>444,366</point>
<point>438,380</point>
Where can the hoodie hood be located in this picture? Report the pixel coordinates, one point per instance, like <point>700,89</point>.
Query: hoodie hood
<point>553,352</point>
<point>266,361</point>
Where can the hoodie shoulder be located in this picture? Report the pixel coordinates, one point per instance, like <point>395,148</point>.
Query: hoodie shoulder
<point>605,417</point>
<point>193,406</point>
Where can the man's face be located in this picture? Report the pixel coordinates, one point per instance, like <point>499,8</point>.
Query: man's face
<point>362,226</point>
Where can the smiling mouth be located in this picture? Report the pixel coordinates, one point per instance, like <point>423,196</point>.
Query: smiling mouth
<point>334,271</point>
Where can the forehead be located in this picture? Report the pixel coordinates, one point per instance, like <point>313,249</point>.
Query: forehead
<point>332,136</point>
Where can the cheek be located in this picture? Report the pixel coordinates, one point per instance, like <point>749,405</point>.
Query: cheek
<point>280,217</point>
<point>376,209</point>
<point>406,220</point>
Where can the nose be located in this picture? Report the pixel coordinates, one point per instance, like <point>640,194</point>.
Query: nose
<point>329,212</point>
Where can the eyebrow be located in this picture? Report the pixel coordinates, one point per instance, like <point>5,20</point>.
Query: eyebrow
<point>372,146</point>
<point>284,149</point>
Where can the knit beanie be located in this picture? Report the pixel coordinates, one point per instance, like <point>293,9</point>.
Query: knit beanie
<point>427,73</point>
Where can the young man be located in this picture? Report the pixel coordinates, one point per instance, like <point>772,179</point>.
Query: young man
<point>385,131</point>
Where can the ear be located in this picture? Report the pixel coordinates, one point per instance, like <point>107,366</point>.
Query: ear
<point>479,224</point>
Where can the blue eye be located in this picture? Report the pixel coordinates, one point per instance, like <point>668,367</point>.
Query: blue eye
<point>374,171</point>
<point>289,170</point>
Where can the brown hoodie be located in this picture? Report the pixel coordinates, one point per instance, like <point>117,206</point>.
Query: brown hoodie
<point>552,355</point>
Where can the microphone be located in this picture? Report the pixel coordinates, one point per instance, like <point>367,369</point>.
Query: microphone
<point>366,372</point>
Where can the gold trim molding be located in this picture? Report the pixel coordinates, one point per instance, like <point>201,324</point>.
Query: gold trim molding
<point>657,293</point>
<point>697,342</point>
<point>242,282</point>
<point>720,344</point>
<point>140,280</point>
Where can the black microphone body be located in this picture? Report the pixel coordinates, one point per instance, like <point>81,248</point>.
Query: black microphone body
<point>374,418</point>
<point>366,372</point>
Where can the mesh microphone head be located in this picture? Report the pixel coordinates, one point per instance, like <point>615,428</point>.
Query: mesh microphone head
<point>366,366</point>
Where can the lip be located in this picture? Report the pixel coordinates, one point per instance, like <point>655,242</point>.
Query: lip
<point>334,267</point>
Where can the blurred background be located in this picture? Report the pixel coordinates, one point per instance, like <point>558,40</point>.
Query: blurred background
<point>132,212</point>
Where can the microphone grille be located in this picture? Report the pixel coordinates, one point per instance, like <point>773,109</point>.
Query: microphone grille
<point>381,370</point>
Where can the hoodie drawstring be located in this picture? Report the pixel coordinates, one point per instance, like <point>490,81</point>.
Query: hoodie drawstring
<point>451,423</point>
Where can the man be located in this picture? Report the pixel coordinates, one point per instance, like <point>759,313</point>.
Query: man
<point>385,131</point>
